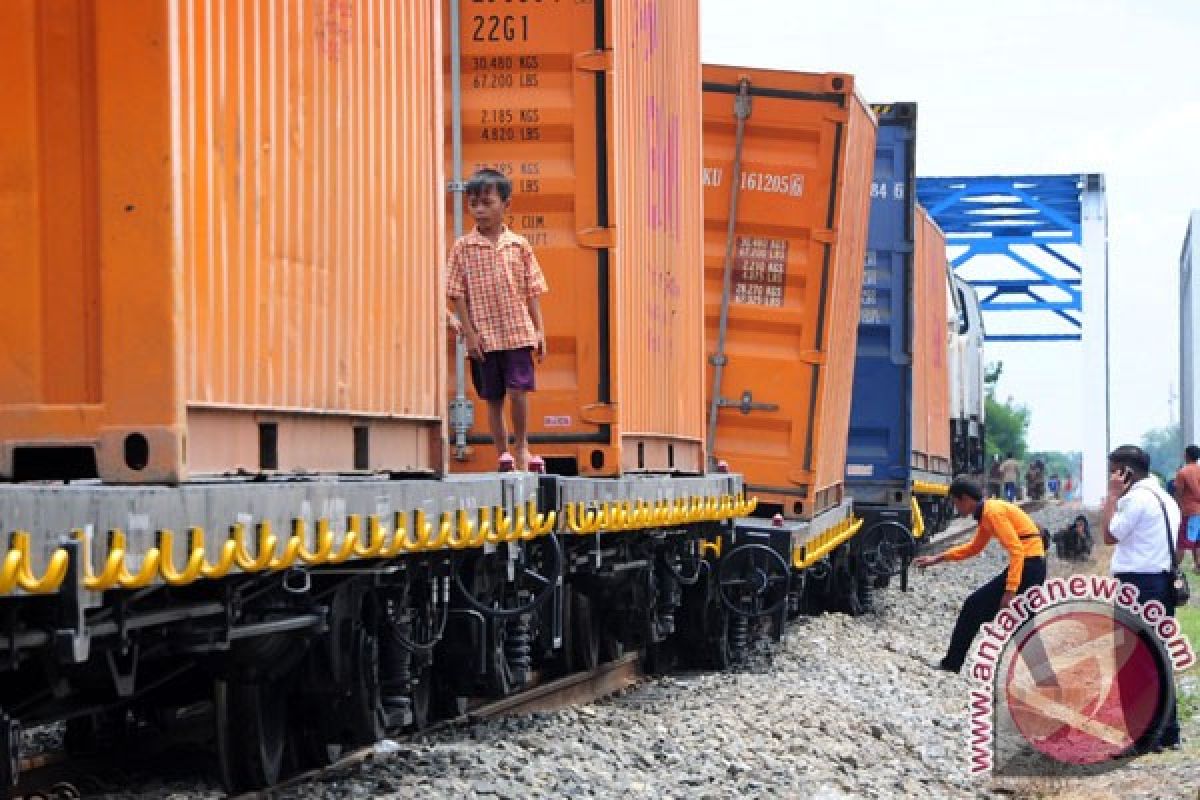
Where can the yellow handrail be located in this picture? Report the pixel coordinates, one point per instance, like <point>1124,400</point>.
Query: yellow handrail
<point>194,565</point>
<point>323,545</point>
<point>8,571</point>
<point>829,540</point>
<point>918,529</point>
<point>51,579</point>
<point>108,577</point>
<point>265,552</point>
<point>150,563</point>
<point>345,551</point>
<point>374,542</point>
<point>925,487</point>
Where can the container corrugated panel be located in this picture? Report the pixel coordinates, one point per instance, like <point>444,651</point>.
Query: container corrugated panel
<point>1189,318</point>
<point>931,379</point>
<point>880,443</point>
<point>795,273</point>
<point>659,218</point>
<point>593,111</point>
<point>230,220</point>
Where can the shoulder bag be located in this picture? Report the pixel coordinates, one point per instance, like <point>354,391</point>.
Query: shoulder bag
<point>1179,584</point>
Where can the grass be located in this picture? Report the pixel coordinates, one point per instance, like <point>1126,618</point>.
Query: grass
<point>1189,620</point>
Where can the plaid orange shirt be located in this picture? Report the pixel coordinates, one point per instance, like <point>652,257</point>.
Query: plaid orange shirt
<point>497,282</point>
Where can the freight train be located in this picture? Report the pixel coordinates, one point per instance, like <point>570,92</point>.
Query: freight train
<point>243,469</point>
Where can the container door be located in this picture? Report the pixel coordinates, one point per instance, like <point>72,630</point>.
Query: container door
<point>771,350</point>
<point>535,107</point>
<point>879,445</point>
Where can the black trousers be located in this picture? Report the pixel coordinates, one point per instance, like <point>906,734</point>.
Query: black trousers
<point>982,605</point>
<point>1156,586</point>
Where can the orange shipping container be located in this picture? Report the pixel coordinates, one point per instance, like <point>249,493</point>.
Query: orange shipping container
<point>931,376</point>
<point>593,111</point>
<point>222,228</point>
<point>790,270</point>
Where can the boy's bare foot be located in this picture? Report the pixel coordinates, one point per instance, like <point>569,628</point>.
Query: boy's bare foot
<point>536,464</point>
<point>506,463</point>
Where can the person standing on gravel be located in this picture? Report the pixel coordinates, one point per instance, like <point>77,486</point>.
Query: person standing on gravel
<point>1187,493</point>
<point>995,484</point>
<point>1010,471</point>
<point>1018,534</point>
<point>1141,519</point>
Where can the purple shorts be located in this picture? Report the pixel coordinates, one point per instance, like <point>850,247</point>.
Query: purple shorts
<point>506,369</point>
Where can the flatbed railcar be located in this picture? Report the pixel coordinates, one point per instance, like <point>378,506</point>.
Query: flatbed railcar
<point>318,614</point>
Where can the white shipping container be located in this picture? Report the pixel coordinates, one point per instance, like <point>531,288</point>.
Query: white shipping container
<point>1189,314</point>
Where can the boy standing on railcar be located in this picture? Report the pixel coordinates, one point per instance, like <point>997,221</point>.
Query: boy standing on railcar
<point>493,283</point>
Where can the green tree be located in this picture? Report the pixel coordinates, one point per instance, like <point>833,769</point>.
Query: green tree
<point>1007,427</point>
<point>1007,422</point>
<point>1165,448</point>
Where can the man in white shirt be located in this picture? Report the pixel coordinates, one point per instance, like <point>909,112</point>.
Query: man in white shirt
<point>1139,517</point>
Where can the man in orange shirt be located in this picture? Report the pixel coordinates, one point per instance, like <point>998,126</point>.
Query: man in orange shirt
<point>1187,492</point>
<point>1018,534</point>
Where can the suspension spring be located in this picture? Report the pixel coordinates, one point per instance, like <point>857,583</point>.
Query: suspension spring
<point>395,660</point>
<point>666,620</point>
<point>518,649</point>
<point>739,635</point>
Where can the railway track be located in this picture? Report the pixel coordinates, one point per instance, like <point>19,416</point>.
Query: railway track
<point>574,689</point>
<point>58,776</point>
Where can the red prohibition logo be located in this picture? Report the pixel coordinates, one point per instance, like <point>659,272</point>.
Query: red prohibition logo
<point>1086,684</point>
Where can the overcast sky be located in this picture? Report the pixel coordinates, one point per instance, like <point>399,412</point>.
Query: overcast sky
<point>1032,86</point>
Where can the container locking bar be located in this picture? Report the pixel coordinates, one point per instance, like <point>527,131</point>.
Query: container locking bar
<point>741,110</point>
<point>746,403</point>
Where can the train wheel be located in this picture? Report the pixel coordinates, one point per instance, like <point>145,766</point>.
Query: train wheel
<point>10,754</point>
<point>847,587</point>
<point>251,723</point>
<point>447,699</point>
<point>365,720</point>
<point>585,633</point>
<point>658,651</point>
<point>500,677</point>
<point>310,743</point>
<point>564,656</point>
<point>612,646</point>
<point>719,651</point>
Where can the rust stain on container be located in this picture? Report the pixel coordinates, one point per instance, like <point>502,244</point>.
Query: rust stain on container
<point>796,267</point>
<point>593,111</point>
<point>931,377</point>
<point>229,218</point>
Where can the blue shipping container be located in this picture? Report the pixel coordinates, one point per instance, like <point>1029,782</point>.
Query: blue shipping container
<point>879,451</point>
